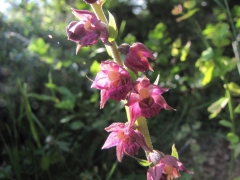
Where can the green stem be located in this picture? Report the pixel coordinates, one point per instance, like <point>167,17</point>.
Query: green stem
<point>28,110</point>
<point>141,121</point>
<point>235,42</point>
<point>114,48</point>
<point>232,119</point>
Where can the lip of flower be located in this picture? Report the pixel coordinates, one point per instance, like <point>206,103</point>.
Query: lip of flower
<point>126,140</point>
<point>145,99</point>
<point>113,81</point>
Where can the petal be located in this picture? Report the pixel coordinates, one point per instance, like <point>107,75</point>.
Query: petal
<point>174,162</point>
<point>155,173</point>
<point>141,141</point>
<point>119,151</point>
<point>116,127</point>
<point>134,112</point>
<point>161,101</point>
<point>84,15</point>
<point>101,81</point>
<point>111,141</point>
<point>132,98</point>
<point>104,98</point>
<point>142,48</point>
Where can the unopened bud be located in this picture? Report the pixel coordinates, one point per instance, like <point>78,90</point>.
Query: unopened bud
<point>155,156</point>
<point>124,48</point>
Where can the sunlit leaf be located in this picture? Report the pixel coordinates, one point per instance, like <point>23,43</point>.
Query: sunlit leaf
<point>208,75</point>
<point>112,27</point>
<point>234,88</point>
<point>177,43</point>
<point>174,151</point>
<point>95,67</point>
<point>232,137</point>
<point>188,15</point>
<point>225,123</point>
<point>217,106</point>
<point>237,109</point>
<point>174,52</point>
<point>189,4</point>
<point>38,46</point>
<point>185,51</point>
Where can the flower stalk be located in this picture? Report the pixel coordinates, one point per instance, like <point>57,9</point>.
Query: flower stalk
<point>141,121</point>
<point>97,8</point>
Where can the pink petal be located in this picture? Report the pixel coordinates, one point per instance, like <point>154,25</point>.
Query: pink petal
<point>174,162</point>
<point>119,151</point>
<point>115,127</point>
<point>111,141</point>
<point>155,173</point>
<point>104,98</point>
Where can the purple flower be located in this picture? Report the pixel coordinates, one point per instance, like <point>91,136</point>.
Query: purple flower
<point>113,81</point>
<point>126,139</point>
<point>137,57</point>
<point>166,168</point>
<point>87,31</point>
<point>145,99</point>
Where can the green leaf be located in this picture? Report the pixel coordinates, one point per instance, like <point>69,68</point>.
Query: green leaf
<point>188,15</point>
<point>189,4</point>
<point>232,137</point>
<point>208,74</point>
<point>237,109</point>
<point>142,162</point>
<point>76,125</point>
<point>217,106</point>
<point>237,151</point>
<point>177,43</point>
<point>112,27</point>
<point>234,88</point>
<point>108,48</point>
<point>45,162</point>
<point>185,51</point>
<point>174,151</point>
<point>102,1</point>
<point>68,118</point>
<point>237,178</point>
<point>38,46</point>
<point>43,97</point>
<point>66,104</point>
<point>225,123</point>
<point>95,67</point>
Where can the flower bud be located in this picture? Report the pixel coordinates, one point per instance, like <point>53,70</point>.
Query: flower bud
<point>155,156</point>
<point>124,48</point>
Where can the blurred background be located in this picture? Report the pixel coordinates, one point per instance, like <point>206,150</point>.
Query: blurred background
<point>51,126</point>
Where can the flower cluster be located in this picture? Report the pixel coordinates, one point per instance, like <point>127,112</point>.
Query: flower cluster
<point>143,99</point>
